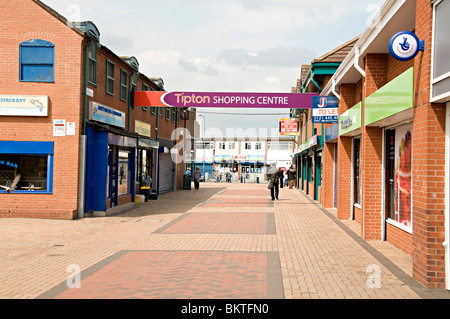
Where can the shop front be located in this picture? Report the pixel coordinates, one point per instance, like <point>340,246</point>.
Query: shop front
<point>311,154</point>
<point>391,109</point>
<point>146,162</point>
<point>166,167</point>
<point>110,162</point>
<point>227,165</point>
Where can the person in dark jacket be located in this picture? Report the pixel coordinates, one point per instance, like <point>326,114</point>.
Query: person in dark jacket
<point>292,174</point>
<point>197,176</point>
<point>276,176</point>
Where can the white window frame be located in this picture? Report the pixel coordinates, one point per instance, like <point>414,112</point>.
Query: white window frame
<point>445,96</point>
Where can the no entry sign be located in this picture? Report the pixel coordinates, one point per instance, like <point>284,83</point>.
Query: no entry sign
<point>224,99</point>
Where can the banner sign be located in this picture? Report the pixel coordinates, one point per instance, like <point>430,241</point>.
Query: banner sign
<point>325,109</point>
<point>289,127</point>
<point>223,99</point>
<point>23,105</point>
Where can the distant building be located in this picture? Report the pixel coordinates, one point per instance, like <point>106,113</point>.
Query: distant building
<point>247,158</point>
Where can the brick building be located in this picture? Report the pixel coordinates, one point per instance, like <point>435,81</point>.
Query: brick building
<point>312,166</point>
<point>390,147</point>
<point>72,137</point>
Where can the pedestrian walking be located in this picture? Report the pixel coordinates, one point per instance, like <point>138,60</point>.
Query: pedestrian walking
<point>197,176</point>
<point>121,173</point>
<point>275,178</point>
<point>292,174</point>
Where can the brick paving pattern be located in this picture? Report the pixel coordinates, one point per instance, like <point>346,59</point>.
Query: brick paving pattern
<point>178,247</point>
<point>175,275</point>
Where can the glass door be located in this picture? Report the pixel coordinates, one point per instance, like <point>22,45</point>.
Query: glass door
<point>390,174</point>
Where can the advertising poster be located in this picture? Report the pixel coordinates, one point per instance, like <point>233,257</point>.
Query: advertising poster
<point>403,178</point>
<point>289,127</point>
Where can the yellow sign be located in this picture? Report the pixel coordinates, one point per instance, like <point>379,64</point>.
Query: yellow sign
<point>142,128</point>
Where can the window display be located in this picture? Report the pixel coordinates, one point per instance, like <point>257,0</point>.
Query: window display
<point>33,171</point>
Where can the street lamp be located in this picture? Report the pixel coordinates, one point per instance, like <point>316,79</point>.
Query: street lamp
<point>204,146</point>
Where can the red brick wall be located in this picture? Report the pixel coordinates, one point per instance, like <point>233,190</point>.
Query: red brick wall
<point>64,95</point>
<point>399,238</point>
<point>428,164</point>
<point>344,209</point>
<point>371,151</point>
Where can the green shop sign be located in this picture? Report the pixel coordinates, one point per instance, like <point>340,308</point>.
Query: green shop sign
<point>350,121</point>
<point>391,103</point>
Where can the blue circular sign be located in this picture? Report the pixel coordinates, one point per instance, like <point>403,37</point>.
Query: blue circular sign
<point>404,46</point>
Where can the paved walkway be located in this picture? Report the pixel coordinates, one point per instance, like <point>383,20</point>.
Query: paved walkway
<point>225,241</point>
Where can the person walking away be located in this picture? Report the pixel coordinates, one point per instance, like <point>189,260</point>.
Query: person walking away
<point>275,176</point>
<point>292,174</point>
<point>197,175</point>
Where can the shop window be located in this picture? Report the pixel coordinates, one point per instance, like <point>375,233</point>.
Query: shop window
<point>92,64</point>
<point>124,173</point>
<point>123,85</point>
<point>110,77</point>
<point>398,175</point>
<point>357,171</point>
<point>32,161</point>
<point>37,61</point>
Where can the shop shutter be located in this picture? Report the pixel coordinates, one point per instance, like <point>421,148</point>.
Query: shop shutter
<point>165,173</point>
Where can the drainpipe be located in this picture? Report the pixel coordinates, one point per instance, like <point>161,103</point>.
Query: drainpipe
<point>83,141</point>
<point>356,62</point>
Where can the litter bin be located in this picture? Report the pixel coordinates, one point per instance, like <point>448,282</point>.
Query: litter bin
<point>145,190</point>
<point>187,182</point>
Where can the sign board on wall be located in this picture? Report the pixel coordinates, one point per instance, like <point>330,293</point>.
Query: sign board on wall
<point>106,114</point>
<point>142,128</point>
<point>325,109</point>
<point>23,105</point>
<point>59,127</point>
<point>289,127</point>
<point>405,45</point>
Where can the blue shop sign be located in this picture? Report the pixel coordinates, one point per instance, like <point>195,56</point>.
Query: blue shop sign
<point>325,109</point>
<point>107,115</point>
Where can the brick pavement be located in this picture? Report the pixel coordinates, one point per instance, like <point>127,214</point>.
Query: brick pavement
<point>181,247</point>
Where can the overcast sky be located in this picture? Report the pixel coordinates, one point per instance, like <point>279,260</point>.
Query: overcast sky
<point>224,46</point>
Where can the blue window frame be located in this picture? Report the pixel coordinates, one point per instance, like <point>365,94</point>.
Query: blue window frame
<point>33,161</point>
<point>37,61</point>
